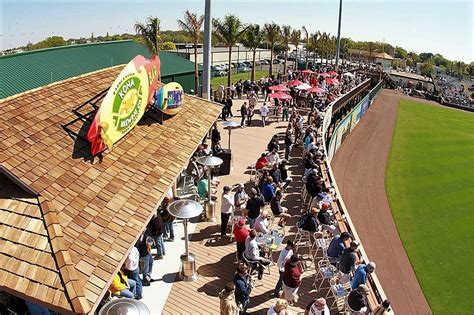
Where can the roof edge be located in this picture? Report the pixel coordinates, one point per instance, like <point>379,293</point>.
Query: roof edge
<point>57,82</point>
<point>64,47</point>
<point>63,260</point>
<point>18,181</point>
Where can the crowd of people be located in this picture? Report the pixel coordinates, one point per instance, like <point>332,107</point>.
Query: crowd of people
<point>452,91</point>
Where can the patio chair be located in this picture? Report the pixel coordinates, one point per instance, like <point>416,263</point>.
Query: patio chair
<point>325,272</point>
<point>338,292</point>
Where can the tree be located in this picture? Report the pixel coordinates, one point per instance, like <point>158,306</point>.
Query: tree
<point>253,39</point>
<point>272,32</point>
<point>53,41</point>
<point>192,25</point>
<point>313,45</point>
<point>229,31</point>
<point>306,35</point>
<point>425,56</point>
<point>427,67</point>
<point>400,53</point>
<point>371,50</point>
<point>285,40</point>
<point>295,40</point>
<point>92,37</point>
<point>460,68</point>
<point>169,46</point>
<point>150,34</point>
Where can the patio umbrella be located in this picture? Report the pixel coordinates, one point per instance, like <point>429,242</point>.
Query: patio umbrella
<point>279,88</point>
<point>324,75</point>
<point>307,72</point>
<point>281,96</point>
<point>303,86</point>
<point>332,81</point>
<point>316,90</point>
<point>294,83</point>
<point>332,73</point>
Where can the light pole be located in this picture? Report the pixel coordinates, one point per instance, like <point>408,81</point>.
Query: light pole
<point>206,70</point>
<point>339,35</point>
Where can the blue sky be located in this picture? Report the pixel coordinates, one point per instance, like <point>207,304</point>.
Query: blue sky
<point>444,27</point>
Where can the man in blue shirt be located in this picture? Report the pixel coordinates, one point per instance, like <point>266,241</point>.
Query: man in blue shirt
<point>337,246</point>
<point>360,275</point>
<point>242,288</point>
<point>268,190</point>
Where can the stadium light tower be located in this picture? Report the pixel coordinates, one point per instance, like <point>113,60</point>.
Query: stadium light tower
<point>206,71</point>
<point>339,35</point>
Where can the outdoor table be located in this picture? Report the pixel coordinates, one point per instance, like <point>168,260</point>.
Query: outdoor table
<point>271,241</point>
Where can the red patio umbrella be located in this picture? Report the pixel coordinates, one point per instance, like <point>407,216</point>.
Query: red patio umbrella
<point>281,96</point>
<point>332,81</point>
<point>325,75</point>
<point>307,72</point>
<point>279,88</point>
<point>316,90</point>
<point>332,73</point>
<point>294,83</point>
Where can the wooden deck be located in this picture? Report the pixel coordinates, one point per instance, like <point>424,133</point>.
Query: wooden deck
<point>216,255</point>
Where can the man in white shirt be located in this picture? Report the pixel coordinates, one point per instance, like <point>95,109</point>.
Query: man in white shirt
<point>273,157</point>
<point>252,253</point>
<point>240,198</point>
<point>317,307</point>
<point>227,208</point>
<point>132,271</point>
<point>261,223</point>
<point>285,254</point>
<point>221,92</point>
<point>264,113</point>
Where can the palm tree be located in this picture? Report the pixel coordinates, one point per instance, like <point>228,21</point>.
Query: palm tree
<point>285,40</point>
<point>229,31</point>
<point>253,39</point>
<point>313,45</point>
<point>371,50</point>
<point>150,34</point>
<point>323,45</point>
<point>192,25</point>
<point>295,40</point>
<point>272,31</point>
<point>306,35</point>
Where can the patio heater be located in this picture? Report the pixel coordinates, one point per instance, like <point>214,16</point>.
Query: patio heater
<point>210,162</point>
<point>186,209</point>
<point>230,125</point>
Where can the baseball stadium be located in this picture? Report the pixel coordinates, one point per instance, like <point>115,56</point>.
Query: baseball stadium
<point>135,179</point>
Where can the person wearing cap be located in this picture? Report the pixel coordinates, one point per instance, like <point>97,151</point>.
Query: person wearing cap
<point>361,273</point>
<point>227,207</point>
<point>279,308</point>
<point>337,246</point>
<point>261,223</point>
<point>317,307</point>
<point>347,262</point>
<point>285,254</point>
<point>253,207</point>
<point>240,197</point>
<point>241,232</point>
<point>325,219</point>
<point>357,299</point>
<point>227,300</point>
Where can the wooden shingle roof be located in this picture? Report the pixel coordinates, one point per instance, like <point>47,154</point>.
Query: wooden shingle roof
<point>88,214</point>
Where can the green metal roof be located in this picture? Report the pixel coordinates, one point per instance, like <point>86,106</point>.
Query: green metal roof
<point>28,70</point>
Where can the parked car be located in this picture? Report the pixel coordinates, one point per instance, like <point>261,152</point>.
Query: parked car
<point>276,61</point>
<point>267,61</point>
<point>247,64</point>
<point>243,68</point>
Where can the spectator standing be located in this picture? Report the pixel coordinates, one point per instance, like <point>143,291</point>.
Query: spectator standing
<point>292,279</point>
<point>241,232</point>
<point>254,204</point>
<point>155,227</point>
<point>168,219</point>
<point>337,246</point>
<point>264,113</point>
<point>227,208</point>
<point>132,270</point>
<point>227,300</point>
<point>285,254</point>
<point>288,143</point>
<point>347,262</point>
<point>242,288</point>
<point>240,197</point>
<point>243,114</point>
<point>357,299</point>
<point>228,105</point>
<point>144,248</point>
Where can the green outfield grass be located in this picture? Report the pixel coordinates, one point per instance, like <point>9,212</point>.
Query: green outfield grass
<point>236,77</point>
<point>429,182</point>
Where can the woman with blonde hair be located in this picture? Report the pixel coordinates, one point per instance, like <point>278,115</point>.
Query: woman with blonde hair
<point>279,308</point>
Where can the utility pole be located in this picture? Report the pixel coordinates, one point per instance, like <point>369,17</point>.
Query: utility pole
<point>206,71</point>
<point>339,35</point>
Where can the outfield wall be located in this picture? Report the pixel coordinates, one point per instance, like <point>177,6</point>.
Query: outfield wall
<point>339,134</point>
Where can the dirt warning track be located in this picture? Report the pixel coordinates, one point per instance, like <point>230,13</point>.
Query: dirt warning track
<point>359,168</point>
